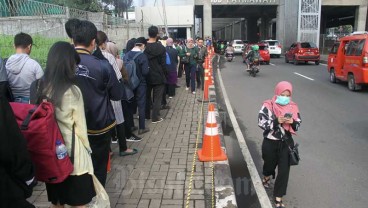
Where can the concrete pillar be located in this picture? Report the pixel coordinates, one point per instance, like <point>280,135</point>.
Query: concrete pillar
<point>237,31</point>
<point>264,28</point>
<point>207,18</point>
<point>252,30</point>
<point>287,22</point>
<point>189,35</point>
<point>360,18</point>
<point>242,30</point>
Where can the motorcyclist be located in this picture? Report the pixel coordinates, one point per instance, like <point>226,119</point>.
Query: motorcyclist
<point>251,55</point>
<point>229,49</point>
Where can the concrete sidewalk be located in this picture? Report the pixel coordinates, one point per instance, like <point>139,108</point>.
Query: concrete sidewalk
<point>159,175</point>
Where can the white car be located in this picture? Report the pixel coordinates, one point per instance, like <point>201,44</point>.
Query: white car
<point>238,46</point>
<point>274,47</point>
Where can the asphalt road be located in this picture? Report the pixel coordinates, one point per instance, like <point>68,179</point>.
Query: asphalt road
<point>333,137</point>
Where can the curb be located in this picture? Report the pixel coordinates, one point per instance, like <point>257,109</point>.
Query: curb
<point>256,180</point>
<point>223,183</point>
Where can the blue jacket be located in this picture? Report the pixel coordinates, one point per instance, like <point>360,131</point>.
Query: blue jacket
<point>98,82</point>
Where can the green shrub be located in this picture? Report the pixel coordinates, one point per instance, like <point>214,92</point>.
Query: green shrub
<point>40,49</point>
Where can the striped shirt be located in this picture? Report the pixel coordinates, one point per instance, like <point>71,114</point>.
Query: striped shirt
<point>271,128</point>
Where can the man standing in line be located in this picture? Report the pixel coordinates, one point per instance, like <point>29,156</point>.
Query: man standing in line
<point>201,57</point>
<point>98,82</point>
<point>156,79</point>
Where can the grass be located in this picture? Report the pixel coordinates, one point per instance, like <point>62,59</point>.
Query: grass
<point>40,49</point>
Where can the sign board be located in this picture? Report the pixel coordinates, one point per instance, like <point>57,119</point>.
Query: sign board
<point>245,2</point>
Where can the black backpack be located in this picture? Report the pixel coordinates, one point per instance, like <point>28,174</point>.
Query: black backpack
<point>5,89</point>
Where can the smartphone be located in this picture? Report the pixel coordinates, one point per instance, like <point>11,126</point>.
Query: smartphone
<point>288,115</point>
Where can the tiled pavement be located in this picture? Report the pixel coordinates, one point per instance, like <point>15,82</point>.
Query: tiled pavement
<point>158,176</point>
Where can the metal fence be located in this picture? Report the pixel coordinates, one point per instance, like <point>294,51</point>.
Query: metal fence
<point>326,41</point>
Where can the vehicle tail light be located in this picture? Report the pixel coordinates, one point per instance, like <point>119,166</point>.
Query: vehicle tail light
<point>365,61</point>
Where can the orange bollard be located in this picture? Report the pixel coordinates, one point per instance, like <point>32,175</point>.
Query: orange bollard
<point>109,164</point>
<point>211,146</point>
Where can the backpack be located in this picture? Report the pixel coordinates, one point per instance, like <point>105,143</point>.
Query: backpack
<point>131,69</point>
<point>40,128</point>
<point>256,56</point>
<point>4,84</point>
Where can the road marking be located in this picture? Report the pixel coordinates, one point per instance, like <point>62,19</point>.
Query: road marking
<point>303,76</point>
<point>323,64</point>
<point>272,64</point>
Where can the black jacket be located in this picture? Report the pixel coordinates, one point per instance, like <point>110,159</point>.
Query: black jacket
<point>15,164</point>
<point>156,55</point>
<point>98,82</point>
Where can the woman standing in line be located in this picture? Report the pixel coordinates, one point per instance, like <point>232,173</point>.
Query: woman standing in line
<point>58,85</point>
<point>279,118</point>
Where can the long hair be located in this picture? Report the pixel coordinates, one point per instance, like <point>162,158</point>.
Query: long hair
<point>59,76</point>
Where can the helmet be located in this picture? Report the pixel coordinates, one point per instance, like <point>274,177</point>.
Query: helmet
<point>255,47</point>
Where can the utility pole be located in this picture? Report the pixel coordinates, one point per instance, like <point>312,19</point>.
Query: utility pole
<point>165,18</point>
<point>142,26</point>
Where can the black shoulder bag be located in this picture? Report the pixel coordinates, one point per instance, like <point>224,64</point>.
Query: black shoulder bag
<point>294,157</point>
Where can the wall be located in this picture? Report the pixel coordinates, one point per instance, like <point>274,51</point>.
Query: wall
<point>53,26</point>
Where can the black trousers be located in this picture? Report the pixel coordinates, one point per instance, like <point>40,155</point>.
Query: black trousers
<point>276,154</point>
<point>158,91</point>
<point>100,145</point>
<point>120,131</point>
<point>200,76</point>
<point>128,113</point>
<point>180,69</point>
<point>171,90</point>
<point>148,101</point>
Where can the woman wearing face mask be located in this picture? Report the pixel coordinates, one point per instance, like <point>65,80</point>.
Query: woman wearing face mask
<point>279,118</point>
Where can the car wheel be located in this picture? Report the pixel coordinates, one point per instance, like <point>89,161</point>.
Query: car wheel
<point>332,76</point>
<point>286,60</point>
<point>317,62</point>
<point>306,62</point>
<point>277,56</point>
<point>351,82</point>
<point>295,61</point>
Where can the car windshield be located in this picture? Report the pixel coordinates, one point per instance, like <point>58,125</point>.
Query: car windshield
<point>238,42</point>
<point>308,45</point>
<point>272,43</point>
<point>262,47</point>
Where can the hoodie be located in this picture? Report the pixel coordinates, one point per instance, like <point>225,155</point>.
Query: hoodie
<point>156,54</point>
<point>22,71</point>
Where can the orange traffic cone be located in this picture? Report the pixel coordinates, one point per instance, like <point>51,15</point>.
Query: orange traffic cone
<point>211,147</point>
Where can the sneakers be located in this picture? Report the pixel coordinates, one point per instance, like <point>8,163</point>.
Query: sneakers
<point>158,121</point>
<point>187,88</point>
<point>163,107</point>
<point>193,92</point>
<point>134,138</point>
<point>170,97</point>
<point>142,131</point>
<point>114,140</point>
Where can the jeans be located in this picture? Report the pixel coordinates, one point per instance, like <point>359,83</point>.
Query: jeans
<point>200,76</point>
<point>190,75</point>
<point>140,96</point>
<point>158,91</point>
<point>21,99</point>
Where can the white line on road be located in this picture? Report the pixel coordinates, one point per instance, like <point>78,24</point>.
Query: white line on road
<point>323,64</point>
<point>303,76</point>
<point>272,64</point>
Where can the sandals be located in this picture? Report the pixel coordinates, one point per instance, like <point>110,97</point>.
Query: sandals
<point>135,151</point>
<point>278,204</point>
<point>266,181</point>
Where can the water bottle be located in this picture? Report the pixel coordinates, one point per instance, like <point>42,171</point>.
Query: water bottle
<point>61,150</point>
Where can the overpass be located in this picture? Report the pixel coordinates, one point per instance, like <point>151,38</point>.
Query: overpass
<point>285,20</point>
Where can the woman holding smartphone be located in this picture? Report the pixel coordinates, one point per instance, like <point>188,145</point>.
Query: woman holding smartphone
<point>279,118</point>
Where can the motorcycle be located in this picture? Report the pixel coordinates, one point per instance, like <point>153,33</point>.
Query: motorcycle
<point>254,67</point>
<point>229,56</point>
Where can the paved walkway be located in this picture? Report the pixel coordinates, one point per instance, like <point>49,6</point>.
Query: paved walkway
<point>158,176</point>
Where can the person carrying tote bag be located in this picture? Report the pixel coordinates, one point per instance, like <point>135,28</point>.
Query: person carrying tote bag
<point>279,118</point>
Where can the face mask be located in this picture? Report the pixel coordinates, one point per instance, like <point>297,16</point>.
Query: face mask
<point>282,100</point>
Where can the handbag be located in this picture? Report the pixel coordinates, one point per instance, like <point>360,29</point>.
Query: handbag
<point>185,59</point>
<point>294,157</point>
